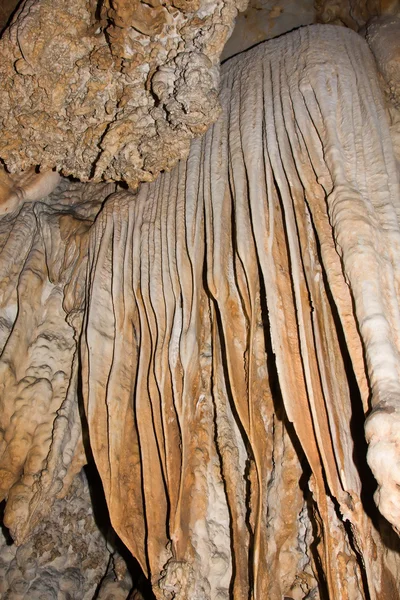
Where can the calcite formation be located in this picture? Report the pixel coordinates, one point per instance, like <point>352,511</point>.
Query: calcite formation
<point>382,35</point>
<point>109,90</point>
<point>67,556</point>
<point>353,13</point>
<point>41,432</point>
<point>216,340</point>
<point>27,186</point>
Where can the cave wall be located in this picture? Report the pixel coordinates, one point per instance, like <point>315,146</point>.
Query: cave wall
<point>6,9</point>
<point>266,19</point>
<point>214,344</point>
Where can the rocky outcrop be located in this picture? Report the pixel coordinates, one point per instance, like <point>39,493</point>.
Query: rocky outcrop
<point>72,553</point>
<point>221,337</point>
<point>114,93</point>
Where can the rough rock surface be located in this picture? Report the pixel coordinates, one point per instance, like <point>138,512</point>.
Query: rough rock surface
<point>66,558</point>
<point>114,93</point>
<point>71,555</point>
<point>353,13</point>
<point>225,332</point>
<point>383,37</point>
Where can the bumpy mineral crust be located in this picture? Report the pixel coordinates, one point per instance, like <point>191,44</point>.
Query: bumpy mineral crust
<point>114,93</point>
<point>66,557</point>
<point>383,36</point>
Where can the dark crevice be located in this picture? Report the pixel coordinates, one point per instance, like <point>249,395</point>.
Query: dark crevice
<point>353,545</point>
<point>7,12</point>
<point>358,418</point>
<point>101,150</point>
<point>360,448</point>
<point>313,516</point>
<point>231,402</point>
<point>4,530</point>
<point>222,468</point>
<point>246,442</point>
<point>98,9</point>
<point>280,414</point>
<point>98,588</point>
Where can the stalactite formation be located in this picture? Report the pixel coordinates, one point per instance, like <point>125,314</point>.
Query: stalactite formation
<point>216,341</point>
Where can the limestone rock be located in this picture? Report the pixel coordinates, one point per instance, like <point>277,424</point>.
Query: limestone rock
<point>66,557</point>
<point>41,432</point>
<point>383,35</point>
<point>353,13</point>
<point>116,95</point>
<point>220,337</point>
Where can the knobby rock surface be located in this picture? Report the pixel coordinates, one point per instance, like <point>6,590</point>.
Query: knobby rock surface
<point>218,339</point>
<point>110,90</point>
<point>353,13</point>
<point>66,557</point>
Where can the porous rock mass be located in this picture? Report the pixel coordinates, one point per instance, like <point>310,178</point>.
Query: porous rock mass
<point>110,90</point>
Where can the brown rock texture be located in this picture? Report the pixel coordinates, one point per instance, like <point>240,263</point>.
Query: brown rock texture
<point>383,37</point>
<point>353,13</point>
<point>70,555</point>
<point>221,337</point>
<point>114,93</point>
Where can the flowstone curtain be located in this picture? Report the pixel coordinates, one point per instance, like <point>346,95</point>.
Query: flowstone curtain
<point>242,319</point>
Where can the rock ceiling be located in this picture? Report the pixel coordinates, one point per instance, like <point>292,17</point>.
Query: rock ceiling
<point>200,374</point>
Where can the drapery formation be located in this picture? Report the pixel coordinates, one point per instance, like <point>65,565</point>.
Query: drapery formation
<point>240,320</point>
<point>243,264</point>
